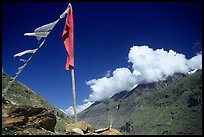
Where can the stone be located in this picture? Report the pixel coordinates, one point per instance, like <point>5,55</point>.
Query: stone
<point>78,131</point>
<point>83,125</point>
<point>107,131</point>
<point>13,121</point>
<point>27,116</point>
<point>46,120</point>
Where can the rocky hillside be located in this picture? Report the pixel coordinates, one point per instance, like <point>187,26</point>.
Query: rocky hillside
<point>29,104</point>
<point>173,107</point>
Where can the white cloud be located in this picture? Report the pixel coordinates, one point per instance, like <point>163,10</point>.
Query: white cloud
<point>79,108</point>
<point>148,66</point>
<point>195,62</point>
<point>103,88</point>
<point>154,65</point>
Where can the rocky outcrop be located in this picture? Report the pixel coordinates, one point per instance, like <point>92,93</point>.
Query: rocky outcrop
<point>20,94</point>
<point>84,128</point>
<point>19,117</point>
<point>81,125</point>
<point>29,120</point>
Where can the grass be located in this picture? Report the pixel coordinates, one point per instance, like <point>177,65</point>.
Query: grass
<point>22,95</point>
<point>173,109</point>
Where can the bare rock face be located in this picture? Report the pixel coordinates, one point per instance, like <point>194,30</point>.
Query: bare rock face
<point>19,116</point>
<point>46,120</point>
<point>19,110</point>
<point>13,121</point>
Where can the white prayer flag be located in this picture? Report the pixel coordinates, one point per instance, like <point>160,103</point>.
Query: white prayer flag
<point>43,31</point>
<point>25,52</point>
<point>40,32</point>
<point>47,27</point>
<point>64,13</point>
<point>38,35</point>
<point>24,60</point>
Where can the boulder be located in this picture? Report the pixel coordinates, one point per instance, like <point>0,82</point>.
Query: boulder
<point>46,120</point>
<point>19,110</point>
<point>82,125</point>
<point>75,131</point>
<point>19,116</point>
<point>9,122</point>
<point>84,128</point>
<point>107,131</point>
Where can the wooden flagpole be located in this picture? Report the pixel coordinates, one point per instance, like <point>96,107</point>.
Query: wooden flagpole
<point>74,94</point>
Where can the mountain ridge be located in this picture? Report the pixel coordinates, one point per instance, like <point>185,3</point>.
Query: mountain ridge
<point>173,106</point>
<point>124,94</point>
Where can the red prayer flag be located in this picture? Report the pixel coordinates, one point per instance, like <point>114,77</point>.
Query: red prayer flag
<point>68,38</point>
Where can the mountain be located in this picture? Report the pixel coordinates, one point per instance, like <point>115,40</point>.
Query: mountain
<point>20,95</point>
<point>172,106</point>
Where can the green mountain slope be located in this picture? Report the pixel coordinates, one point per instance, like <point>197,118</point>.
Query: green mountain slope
<point>173,106</point>
<point>22,95</point>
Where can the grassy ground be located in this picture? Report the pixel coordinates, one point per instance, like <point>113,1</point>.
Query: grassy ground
<point>22,95</point>
<point>173,109</point>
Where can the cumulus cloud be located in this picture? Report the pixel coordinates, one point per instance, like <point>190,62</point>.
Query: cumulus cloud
<point>103,88</point>
<point>79,108</point>
<point>153,65</point>
<point>148,65</point>
<point>195,62</point>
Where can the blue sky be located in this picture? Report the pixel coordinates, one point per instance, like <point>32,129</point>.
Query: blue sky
<point>104,35</point>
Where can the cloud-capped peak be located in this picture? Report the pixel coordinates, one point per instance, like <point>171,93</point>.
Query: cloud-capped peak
<point>148,65</point>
